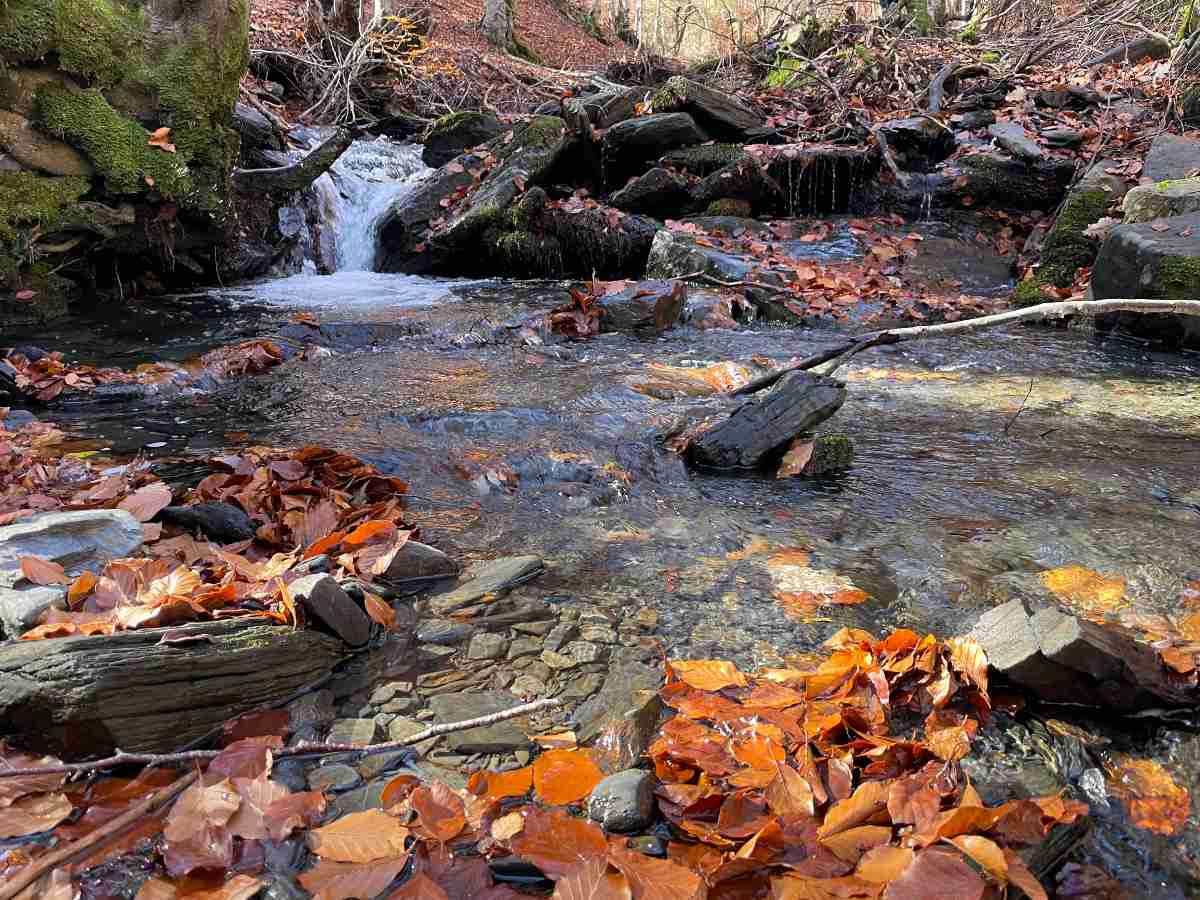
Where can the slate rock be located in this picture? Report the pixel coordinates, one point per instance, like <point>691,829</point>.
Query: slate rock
<point>444,632</point>
<point>494,577</point>
<point>623,802</point>
<point>325,601</point>
<point>919,143</point>
<point>645,308</point>
<point>333,777</point>
<point>634,142</point>
<point>417,560</point>
<point>626,707</point>
<point>1141,48</point>
<point>1162,200</point>
<point>1011,136</point>
<point>22,609</point>
<point>459,131</point>
<point>80,541</point>
<point>221,522</point>
<point>744,181</point>
<point>486,645</point>
<point>1171,157</point>
<point>502,737</point>
<point>354,731</point>
<point>723,115</point>
<point>656,193</point>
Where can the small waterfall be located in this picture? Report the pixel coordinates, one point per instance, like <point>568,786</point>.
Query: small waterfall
<point>359,189</point>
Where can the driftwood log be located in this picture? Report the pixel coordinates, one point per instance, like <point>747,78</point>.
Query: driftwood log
<point>298,175</point>
<point>86,695</point>
<point>763,427</point>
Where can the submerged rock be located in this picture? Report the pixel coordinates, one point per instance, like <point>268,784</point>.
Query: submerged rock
<point>502,737</point>
<point>1153,260</point>
<point>645,307</point>
<point>493,577</point>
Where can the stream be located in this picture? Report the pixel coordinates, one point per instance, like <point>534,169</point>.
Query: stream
<point>980,461</point>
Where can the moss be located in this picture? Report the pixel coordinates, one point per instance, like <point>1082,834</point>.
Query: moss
<point>706,158</point>
<point>727,206</point>
<point>1029,293</point>
<point>1066,247</point>
<point>989,57</point>
<point>1178,277</point>
<point>31,206</point>
<point>831,453</point>
<point>784,72</point>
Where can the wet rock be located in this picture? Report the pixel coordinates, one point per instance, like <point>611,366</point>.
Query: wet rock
<point>623,802</point>
<point>22,609</point>
<point>597,633</point>
<point>762,427</point>
<point>720,114</point>
<point>311,715</point>
<point>644,308</point>
<point>1011,136</point>
<point>79,541</point>
<point>830,453</point>
<point>1064,659</point>
<point>495,577</point>
<point>444,632</point>
<point>221,522</point>
<point>744,182</point>
<point>360,732</point>
<point>487,646</point>
<point>1003,182</point>
<point>1172,157</point>
<point>560,634</point>
<point>822,179</point>
<point>402,728</point>
<point>1062,136</point>
<point>704,159</point>
<point>977,118</point>
<point>417,560</point>
<point>1162,200</point>
<point>502,737</point>
<point>656,193</point>
<point>581,687</point>
<point>34,150</point>
<point>257,134</point>
<point>606,108</point>
<point>621,719</point>
<point>649,845</point>
<point>919,143</point>
<point>631,144</point>
<point>1147,47</point>
<point>333,777</point>
<point>526,685</point>
<point>314,565</point>
<point>1067,246</point>
<point>1142,261</point>
<point>583,652</point>
<point>325,602</point>
<point>675,254</point>
<point>457,132</point>
<point>380,763</point>
<point>557,241</point>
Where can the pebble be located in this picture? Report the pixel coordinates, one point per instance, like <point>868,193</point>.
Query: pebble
<point>560,634</point>
<point>443,633</point>
<point>378,763</point>
<point>558,660</point>
<point>353,731</point>
<point>648,845</point>
<point>524,646</point>
<point>487,646</point>
<point>333,777</point>
<point>623,802</point>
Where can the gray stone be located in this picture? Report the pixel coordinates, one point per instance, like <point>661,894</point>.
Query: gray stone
<point>1154,260</point>
<point>333,777</point>
<point>369,796</point>
<point>1150,46</point>
<point>502,737</point>
<point>1162,200</point>
<point>444,632</point>
<point>313,565</point>
<point>79,541</point>
<point>585,652</point>
<point>1062,136</point>
<point>623,802</point>
<point>1011,136</point>
<point>674,254</point>
<point>378,763</point>
<point>627,699</point>
<point>486,645</point>
<point>599,634</point>
<point>644,308</point>
<point>400,728</point>
<point>325,601</point>
<point>656,193</point>
<point>558,661</point>
<point>22,609</point>
<point>582,687</point>
<point>417,560</point>
<point>221,522</point>
<point>634,142</point>
<point>386,692</point>
<point>495,577</point>
<point>524,646</point>
<point>978,118</point>
<point>311,715</point>
<point>527,685</point>
<point>35,150</point>
<point>919,143</point>
<point>354,731</point>
<point>722,114</point>
<point>1172,157</point>
<point>560,634</point>
<point>537,629</point>
<point>456,132</point>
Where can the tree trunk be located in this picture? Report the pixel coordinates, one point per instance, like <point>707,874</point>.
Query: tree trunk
<point>497,23</point>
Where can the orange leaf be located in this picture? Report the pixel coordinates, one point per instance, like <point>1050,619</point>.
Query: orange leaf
<point>360,837</point>
<point>439,811</point>
<point>380,610</point>
<point>367,530</point>
<point>565,776</point>
<point>708,674</point>
<point>342,881</point>
<point>43,571</point>
<point>556,842</point>
<point>160,138</point>
<point>499,785</point>
<point>656,879</point>
<point>594,880</point>
<point>870,798</point>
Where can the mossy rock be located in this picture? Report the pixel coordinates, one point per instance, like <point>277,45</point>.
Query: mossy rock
<point>34,205</point>
<point>728,206</point>
<point>1162,200</point>
<point>705,159</point>
<point>457,132</point>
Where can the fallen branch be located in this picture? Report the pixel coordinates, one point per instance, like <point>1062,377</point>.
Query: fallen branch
<point>886,150</point>
<point>109,830</point>
<point>947,77</point>
<point>298,175</point>
<point>1038,313</point>
<point>303,748</point>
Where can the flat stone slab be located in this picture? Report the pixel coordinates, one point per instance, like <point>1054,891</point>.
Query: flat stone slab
<point>494,577</point>
<point>79,541</point>
<point>1011,136</point>
<point>1171,157</point>
<point>1163,200</point>
<point>503,737</point>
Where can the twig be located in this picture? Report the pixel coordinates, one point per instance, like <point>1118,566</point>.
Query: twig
<point>1011,422</point>
<point>1040,312</point>
<point>105,832</point>
<point>303,748</point>
<point>886,150</point>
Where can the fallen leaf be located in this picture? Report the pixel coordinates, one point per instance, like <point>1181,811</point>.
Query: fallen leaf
<point>329,880</point>
<point>160,138</point>
<point>936,873</point>
<point>440,812</point>
<point>145,503</point>
<point>556,842</point>
<point>1085,587</point>
<point>359,837</point>
<point>43,571</point>
<point>33,813</point>
<point>708,674</point>
<point>594,880</point>
<point>565,776</point>
<point>1149,794</point>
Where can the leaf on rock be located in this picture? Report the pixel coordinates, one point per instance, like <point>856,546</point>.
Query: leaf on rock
<point>145,503</point>
<point>594,880</point>
<point>43,571</point>
<point>380,610</point>
<point>565,776</point>
<point>360,837</point>
<point>33,813</point>
<point>329,880</point>
<point>440,811</point>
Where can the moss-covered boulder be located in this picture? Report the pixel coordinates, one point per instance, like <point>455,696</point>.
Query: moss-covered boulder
<point>743,181</point>
<point>703,160</point>
<point>1067,246</point>
<point>96,81</point>
<point>720,114</point>
<point>457,132</point>
<point>1162,200</point>
<point>1148,261</point>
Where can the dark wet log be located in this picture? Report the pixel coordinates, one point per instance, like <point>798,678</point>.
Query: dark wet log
<point>85,695</point>
<point>947,78</point>
<point>299,175</point>
<point>763,427</point>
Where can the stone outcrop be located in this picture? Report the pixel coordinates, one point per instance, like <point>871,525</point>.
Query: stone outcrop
<point>85,91</point>
<point>1162,200</point>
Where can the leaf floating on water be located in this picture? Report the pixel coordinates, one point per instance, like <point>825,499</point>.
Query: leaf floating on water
<point>707,674</point>
<point>558,843</point>
<point>33,813</point>
<point>440,811</point>
<point>1151,797</point>
<point>501,785</point>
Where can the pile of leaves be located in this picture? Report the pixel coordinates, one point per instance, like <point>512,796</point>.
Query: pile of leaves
<point>304,502</point>
<point>49,375</point>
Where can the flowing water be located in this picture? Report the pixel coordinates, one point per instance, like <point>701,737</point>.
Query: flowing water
<point>980,461</point>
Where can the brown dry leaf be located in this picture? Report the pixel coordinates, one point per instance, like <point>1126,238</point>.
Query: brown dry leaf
<point>793,887</point>
<point>31,814</point>
<point>565,776</point>
<point>329,880</point>
<point>300,810</point>
<point>594,880</point>
<point>883,864</point>
<point>851,844</point>
<point>14,788</point>
<point>439,810</point>
<point>656,879</point>
<point>789,794</point>
<point>708,674</point>
<point>559,740</point>
<point>1020,876</point>
<point>258,794</point>
<point>419,887</point>
<point>1149,794</point>
<point>145,503</point>
<point>556,842</point>
<point>359,837</point>
<point>43,571</point>
<point>870,798</point>
<point>986,853</point>
<point>936,874</point>
<point>239,887</point>
<point>380,610</point>
<point>1086,588</point>
<point>969,660</point>
<point>796,458</point>
<point>196,832</point>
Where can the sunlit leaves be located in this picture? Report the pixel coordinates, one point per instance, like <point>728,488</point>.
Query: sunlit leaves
<point>565,776</point>
<point>708,674</point>
<point>558,843</point>
<point>439,810</point>
<point>360,837</point>
<point>329,880</point>
<point>1087,590</point>
<point>594,880</point>
<point>1149,794</point>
